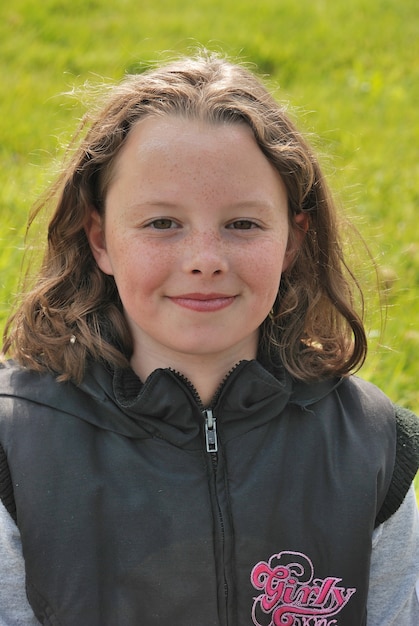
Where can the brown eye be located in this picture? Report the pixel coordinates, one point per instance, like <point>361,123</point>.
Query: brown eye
<point>242,225</point>
<point>162,224</point>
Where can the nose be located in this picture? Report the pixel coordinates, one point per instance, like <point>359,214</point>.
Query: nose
<point>205,254</point>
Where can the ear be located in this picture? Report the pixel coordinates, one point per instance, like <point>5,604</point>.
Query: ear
<point>95,233</point>
<point>298,230</point>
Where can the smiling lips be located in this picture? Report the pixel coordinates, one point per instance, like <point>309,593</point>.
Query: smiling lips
<point>203,302</point>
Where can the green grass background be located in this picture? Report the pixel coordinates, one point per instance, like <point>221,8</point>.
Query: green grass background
<point>349,69</point>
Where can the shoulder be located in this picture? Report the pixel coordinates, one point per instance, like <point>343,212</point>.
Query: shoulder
<point>384,415</point>
<point>381,429</point>
<point>26,386</point>
<point>369,409</point>
<point>359,392</point>
<point>19,381</point>
<point>26,394</point>
<point>359,405</point>
<point>351,393</point>
<point>22,388</point>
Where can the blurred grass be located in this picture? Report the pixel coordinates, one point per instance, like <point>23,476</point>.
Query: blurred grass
<point>349,69</point>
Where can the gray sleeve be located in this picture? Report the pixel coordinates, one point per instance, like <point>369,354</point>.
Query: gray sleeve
<point>14,606</point>
<point>393,598</point>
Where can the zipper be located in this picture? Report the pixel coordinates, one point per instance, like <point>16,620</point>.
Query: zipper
<point>211,444</point>
<point>210,421</point>
<point>211,438</point>
<point>212,449</point>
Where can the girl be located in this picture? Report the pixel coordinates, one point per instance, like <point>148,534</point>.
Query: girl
<point>182,439</point>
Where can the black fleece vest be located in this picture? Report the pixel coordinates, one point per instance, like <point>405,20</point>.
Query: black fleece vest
<point>130,515</point>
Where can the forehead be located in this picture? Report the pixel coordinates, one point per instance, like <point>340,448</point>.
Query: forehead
<point>169,132</point>
<point>170,145</point>
<point>173,160</point>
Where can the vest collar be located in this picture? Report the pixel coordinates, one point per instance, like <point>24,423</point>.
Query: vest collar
<point>248,396</point>
<point>166,405</point>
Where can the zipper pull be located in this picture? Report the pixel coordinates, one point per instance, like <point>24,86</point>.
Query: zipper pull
<point>210,431</point>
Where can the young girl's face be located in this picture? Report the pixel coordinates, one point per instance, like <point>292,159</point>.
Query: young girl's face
<point>195,234</point>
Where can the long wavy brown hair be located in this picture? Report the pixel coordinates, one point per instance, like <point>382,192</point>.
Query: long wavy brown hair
<point>73,312</point>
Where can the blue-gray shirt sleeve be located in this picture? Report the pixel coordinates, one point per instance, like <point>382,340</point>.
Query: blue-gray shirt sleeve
<point>393,598</point>
<point>14,606</point>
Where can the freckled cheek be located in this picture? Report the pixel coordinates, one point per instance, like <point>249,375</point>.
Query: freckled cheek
<point>143,271</point>
<point>264,270</point>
